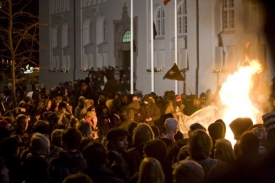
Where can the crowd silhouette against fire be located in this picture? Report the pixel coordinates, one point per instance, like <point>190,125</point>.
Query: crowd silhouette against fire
<point>91,132</point>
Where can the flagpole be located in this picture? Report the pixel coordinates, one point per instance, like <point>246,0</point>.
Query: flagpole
<point>132,49</point>
<point>176,43</point>
<point>152,49</point>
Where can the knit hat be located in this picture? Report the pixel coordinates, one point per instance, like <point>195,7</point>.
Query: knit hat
<point>269,121</point>
<point>239,126</point>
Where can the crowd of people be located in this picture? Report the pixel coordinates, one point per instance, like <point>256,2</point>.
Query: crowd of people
<point>76,133</point>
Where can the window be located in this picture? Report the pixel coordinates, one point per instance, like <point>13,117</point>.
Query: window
<point>228,14</point>
<point>104,30</point>
<point>160,22</point>
<point>182,18</point>
<point>126,37</point>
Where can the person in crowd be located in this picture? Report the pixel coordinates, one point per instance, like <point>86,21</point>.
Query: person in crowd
<point>74,122</point>
<point>10,154</point>
<point>238,126</point>
<point>130,130</point>
<point>158,150</point>
<point>20,132</point>
<point>55,137</point>
<point>64,119</point>
<point>124,100</point>
<point>96,159</point>
<point>101,104</point>
<point>142,134</point>
<point>183,152</point>
<point>85,129</point>
<point>79,107</point>
<point>110,86</point>
<point>151,171</point>
<point>82,91</point>
<point>104,124</point>
<point>259,131</point>
<point>193,105</point>
<point>150,111</point>
<point>70,160</point>
<point>170,104</point>
<point>223,152</point>
<point>41,129</point>
<point>174,149</point>
<point>35,167</point>
<point>117,144</point>
<point>199,147</point>
<point>133,109</point>
<point>4,176</point>
<point>247,167</point>
<point>216,132</point>
<point>171,126</point>
<point>91,118</point>
<point>87,104</point>
<point>39,146</point>
<point>188,171</point>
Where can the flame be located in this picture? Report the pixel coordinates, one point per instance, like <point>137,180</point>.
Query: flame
<point>234,95</point>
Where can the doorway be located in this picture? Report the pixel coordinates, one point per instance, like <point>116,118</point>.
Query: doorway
<point>126,57</point>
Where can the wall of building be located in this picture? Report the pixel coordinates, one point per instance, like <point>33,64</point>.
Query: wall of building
<point>57,61</point>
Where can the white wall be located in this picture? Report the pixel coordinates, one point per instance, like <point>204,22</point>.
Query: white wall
<point>112,10</point>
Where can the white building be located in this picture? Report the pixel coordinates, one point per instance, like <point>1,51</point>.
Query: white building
<point>79,34</point>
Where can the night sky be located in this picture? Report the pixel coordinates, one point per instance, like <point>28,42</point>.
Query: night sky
<point>20,23</point>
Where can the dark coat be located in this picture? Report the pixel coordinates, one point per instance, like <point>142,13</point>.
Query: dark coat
<point>67,163</point>
<point>150,110</point>
<point>110,87</point>
<point>118,165</point>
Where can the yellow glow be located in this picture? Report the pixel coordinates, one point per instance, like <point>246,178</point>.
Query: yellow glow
<point>234,95</point>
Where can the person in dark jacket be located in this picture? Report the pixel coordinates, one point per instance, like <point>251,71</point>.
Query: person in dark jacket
<point>117,144</point>
<point>111,85</point>
<point>70,160</point>
<point>149,111</point>
<point>96,158</point>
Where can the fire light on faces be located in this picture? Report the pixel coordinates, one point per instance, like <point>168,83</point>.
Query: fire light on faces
<point>234,95</point>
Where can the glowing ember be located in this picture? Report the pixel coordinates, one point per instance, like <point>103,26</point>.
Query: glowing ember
<point>234,95</point>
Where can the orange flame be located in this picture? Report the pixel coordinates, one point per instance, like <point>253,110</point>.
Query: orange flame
<point>234,95</point>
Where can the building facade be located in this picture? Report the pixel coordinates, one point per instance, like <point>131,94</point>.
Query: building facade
<point>214,38</point>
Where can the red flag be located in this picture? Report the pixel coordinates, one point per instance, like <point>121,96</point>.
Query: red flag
<point>166,1</point>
